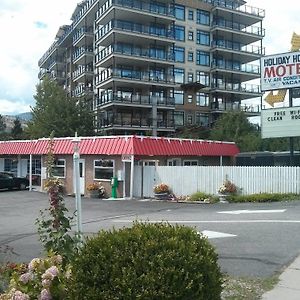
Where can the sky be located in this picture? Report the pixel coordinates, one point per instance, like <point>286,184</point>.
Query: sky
<point>28,28</point>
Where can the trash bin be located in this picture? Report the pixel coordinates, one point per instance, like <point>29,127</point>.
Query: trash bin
<point>114,186</point>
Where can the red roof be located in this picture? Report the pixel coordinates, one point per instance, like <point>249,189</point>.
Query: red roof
<point>118,145</point>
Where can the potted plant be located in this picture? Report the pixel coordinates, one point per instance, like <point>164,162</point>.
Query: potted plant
<point>161,191</point>
<point>227,188</point>
<point>96,190</point>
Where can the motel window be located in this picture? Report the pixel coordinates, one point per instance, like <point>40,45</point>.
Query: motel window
<point>59,168</point>
<point>103,169</point>
<point>190,163</point>
<point>36,166</point>
<point>11,165</point>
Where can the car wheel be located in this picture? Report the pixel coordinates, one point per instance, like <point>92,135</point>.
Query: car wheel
<point>22,186</point>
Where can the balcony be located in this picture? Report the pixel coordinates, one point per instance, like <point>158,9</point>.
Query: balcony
<point>82,32</point>
<point>149,77</point>
<point>231,5</point>
<point>229,106</point>
<point>136,100</point>
<point>82,51</point>
<point>82,89</point>
<point>131,27</point>
<point>136,123</point>
<point>157,9</point>
<point>135,52</point>
<point>233,46</point>
<point>83,70</point>
<point>252,90</point>
<point>253,33</point>
<point>246,71</point>
<point>85,7</point>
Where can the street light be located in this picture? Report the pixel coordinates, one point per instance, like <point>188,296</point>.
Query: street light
<point>76,176</point>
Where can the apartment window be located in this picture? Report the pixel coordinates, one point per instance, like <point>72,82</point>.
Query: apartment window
<point>179,12</point>
<point>191,15</point>
<point>189,163</point>
<point>179,118</point>
<point>189,119</point>
<point>190,56</point>
<point>190,77</point>
<point>179,33</point>
<point>202,119</point>
<point>178,97</point>
<point>202,77</point>
<point>203,17</point>
<point>190,98</point>
<point>103,169</point>
<point>202,58</point>
<point>202,99</point>
<point>179,75</point>
<point>179,54</point>
<point>203,38</point>
<point>59,168</point>
<point>191,35</point>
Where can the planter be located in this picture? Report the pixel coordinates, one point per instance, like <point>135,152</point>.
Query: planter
<point>93,194</point>
<point>223,198</point>
<point>161,196</point>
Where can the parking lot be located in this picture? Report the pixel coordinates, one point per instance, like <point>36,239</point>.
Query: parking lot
<point>250,239</point>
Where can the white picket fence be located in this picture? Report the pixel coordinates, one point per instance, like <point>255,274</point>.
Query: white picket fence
<point>187,180</point>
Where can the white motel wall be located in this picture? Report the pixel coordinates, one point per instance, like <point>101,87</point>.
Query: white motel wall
<point>188,180</point>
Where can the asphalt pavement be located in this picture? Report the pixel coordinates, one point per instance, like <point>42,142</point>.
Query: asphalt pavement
<point>253,240</point>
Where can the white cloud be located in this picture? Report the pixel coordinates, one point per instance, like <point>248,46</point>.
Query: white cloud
<point>10,107</point>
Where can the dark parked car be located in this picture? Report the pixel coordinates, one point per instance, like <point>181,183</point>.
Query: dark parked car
<point>9,181</point>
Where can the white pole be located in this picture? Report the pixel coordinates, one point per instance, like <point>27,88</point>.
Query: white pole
<point>30,172</point>
<point>76,157</point>
<point>131,176</point>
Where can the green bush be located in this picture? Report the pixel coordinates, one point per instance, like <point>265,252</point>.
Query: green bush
<point>262,197</point>
<point>200,196</point>
<point>147,261</point>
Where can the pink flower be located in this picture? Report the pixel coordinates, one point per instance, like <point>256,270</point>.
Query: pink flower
<point>19,296</point>
<point>46,283</point>
<point>45,295</point>
<point>24,278</point>
<point>53,270</point>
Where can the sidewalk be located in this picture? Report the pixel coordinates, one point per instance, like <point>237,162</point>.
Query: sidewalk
<point>289,284</point>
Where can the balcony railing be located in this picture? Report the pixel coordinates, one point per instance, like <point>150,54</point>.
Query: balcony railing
<point>255,30</point>
<point>156,31</point>
<point>135,122</point>
<point>135,52</point>
<point>235,107</point>
<point>82,50</point>
<point>81,32</point>
<point>237,87</point>
<point>82,89</point>
<point>134,75</point>
<point>85,7</point>
<point>81,70</point>
<point>137,100</point>
<point>251,10</point>
<point>227,65</point>
<point>252,49</point>
<point>155,8</point>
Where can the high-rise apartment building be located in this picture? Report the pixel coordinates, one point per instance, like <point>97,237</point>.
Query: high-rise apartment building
<point>149,67</point>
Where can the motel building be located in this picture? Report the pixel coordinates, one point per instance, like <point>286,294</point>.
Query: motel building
<point>106,157</point>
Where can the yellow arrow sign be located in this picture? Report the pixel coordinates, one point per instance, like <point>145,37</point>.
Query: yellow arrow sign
<point>274,98</point>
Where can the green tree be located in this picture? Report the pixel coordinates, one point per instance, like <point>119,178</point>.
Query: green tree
<point>55,111</point>
<point>3,134</point>
<point>235,127</point>
<point>17,132</point>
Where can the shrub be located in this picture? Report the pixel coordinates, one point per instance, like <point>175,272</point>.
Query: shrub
<point>147,261</point>
<point>262,197</point>
<point>200,196</point>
